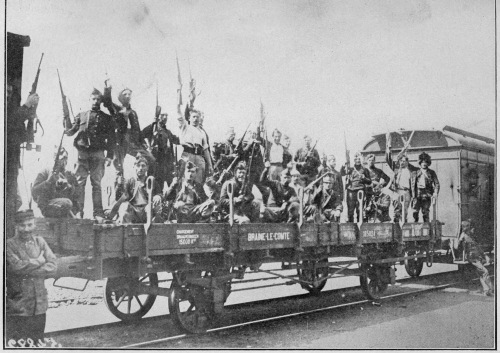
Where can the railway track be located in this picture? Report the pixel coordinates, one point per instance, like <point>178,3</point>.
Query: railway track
<point>348,297</point>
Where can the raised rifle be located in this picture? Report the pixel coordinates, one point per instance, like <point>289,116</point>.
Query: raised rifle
<point>238,150</point>
<point>66,116</point>
<point>311,151</point>
<point>247,175</point>
<point>192,88</point>
<point>33,121</point>
<point>179,90</point>
<point>347,163</point>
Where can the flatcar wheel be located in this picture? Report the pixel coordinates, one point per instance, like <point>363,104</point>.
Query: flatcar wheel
<point>192,307</point>
<point>312,276</point>
<point>413,266</point>
<point>125,301</point>
<point>371,281</point>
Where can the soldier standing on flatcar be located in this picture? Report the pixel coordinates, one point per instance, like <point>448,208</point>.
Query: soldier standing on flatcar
<point>55,191</point>
<point>358,177</point>
<point>275,156</point>
<point>29,261</point>
<point>287,155</point>
<point>476,257</point>
<point>162,144</point>
<point>191,202</point>
<point>424,186</point>
<point>131,206</point>
<point>95,136</point>
<point>283,203</point>
<point>246,210</point>
<point>308,161</point>
<point>401,182</point>
<point>128,133</point>
<point>195,145</point>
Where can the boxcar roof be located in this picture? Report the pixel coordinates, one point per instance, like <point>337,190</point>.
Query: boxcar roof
<point>428,139</point>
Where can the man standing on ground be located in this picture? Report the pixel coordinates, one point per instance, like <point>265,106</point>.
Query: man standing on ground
<point>29,261</point>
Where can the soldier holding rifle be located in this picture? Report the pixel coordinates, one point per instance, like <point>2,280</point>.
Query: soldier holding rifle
<point>245,208</point>
<point>358,177</point>
<point>308,161</point>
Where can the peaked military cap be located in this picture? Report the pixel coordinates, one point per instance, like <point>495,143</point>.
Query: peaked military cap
<point>23,215</point>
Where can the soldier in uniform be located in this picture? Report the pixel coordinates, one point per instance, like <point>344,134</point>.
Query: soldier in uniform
<point>131,206</point>
<point>16,135</point>
<point>358,177</point>
<point>29,261</point>
<point>377,206</point>
<point>55,191</point>
<point>246,209</point>
<point>325,201</point>
<point>162,143</point>
<point>283,203</point>
<point>476,257</point>
<point>191,202</point>
<point>379,178</point>
<point>224,152</point>
<point>94,141</point>
<point>287,155</point>
<point>337,183</point>
<point>128,133</point>
<point>308,161</point>
<point>195,145</point>
<point>424,186</point>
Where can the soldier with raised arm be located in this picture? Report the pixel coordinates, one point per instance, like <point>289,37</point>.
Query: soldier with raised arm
<point>95,143</point>
<point>29,260</point>
<point>308,161</point>
<point>195,145</point>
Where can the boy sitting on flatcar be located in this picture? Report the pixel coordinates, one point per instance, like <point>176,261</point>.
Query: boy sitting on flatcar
<point>192,204</point>
<point>326,199</point>
<point>131,206</point>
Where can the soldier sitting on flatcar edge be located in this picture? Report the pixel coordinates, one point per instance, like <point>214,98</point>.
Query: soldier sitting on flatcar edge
<point>246,210</point>
<point>131,206</point>
<point>283,203</point>
<point>377,206</point>
<point>326,201</point>
<point>192,204</point>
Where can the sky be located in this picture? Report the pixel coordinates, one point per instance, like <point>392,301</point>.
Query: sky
<point>321,67</point>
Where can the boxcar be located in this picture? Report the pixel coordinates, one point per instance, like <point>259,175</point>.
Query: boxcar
<point>465,165</point>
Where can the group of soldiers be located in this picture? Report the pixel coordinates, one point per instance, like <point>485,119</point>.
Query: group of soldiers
<point>198,186</point>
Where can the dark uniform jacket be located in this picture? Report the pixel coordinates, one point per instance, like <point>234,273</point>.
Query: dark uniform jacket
<point>95,131</point>
<point>280,193</point>
<point>44,191</point>
<point>255,163</point>
<point>192,193</point>
<point>338,184</point>
<point>237,186</point>
<point>328,200</point>
<point>132,186</point>
<point>26,292</point>
<point>431,183</point>
<point>311,159</point>
<point>162,142</point>
<point>358,177</point>
<point>376,174</point>
<point>122,116</point>
<point>287,157</point>
<point>221,154</point>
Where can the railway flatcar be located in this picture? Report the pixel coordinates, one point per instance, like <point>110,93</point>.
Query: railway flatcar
<point>205,260</point>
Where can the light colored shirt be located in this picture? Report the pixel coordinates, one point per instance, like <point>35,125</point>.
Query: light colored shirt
<point>421,180</point>
<point>276,153</point>
<point>403,179</point>
<point>190,135</point>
